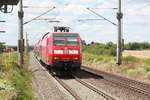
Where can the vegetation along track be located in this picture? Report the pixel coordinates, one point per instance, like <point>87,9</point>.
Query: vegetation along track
<point>133,85</point>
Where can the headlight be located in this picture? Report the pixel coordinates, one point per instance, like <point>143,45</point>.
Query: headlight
<point>73,51</point>
<point>58,51</point>
<point>75,58</point>
<point>56,58</point>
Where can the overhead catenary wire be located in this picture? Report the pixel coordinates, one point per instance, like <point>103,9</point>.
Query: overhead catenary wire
<point>34,7</point>
<point>88,19</point>
<point>108,8</point>
<point>146,5</point>
<point>39,16</point>
<point>102,17</point>
<point>66,5</point>
<point>137,9</point>
<point>45,18</point>
<point>129,1</point>
<point>2,21</point>
<point>2,31</point>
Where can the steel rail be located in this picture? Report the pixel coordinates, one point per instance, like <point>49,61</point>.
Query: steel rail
<point>63,84</point>
<point>70,90</point>
<point>91,87</point>
<point>97,72</point>
<point>130,87</point>
<point>144,85</point>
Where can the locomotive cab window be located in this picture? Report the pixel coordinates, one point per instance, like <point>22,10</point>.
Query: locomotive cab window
<point>66,39</point>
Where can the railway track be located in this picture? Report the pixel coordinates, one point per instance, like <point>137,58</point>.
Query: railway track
<point>75,94</point>
<point>97,90</point>
<point>121,81</point>
<point>100,92</point>
<point>70,90</point>
<point>89,86</point>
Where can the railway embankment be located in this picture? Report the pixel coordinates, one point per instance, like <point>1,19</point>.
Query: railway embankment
<point>15,82</point>
<point>117,88</point>
<point>132,67</point>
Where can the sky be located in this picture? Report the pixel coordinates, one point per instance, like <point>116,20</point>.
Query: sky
<point>136,20</point>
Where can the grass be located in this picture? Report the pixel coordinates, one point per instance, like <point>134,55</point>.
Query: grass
<point>15,82</point>
<point>131,67</point>
<point>101,49</point>
<point>147,75</point>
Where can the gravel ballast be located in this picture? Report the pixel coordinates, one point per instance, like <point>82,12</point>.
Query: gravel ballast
<point>121,93</point>
<point>84,92</point>
<point>44,85</point>
<point>47,88</point>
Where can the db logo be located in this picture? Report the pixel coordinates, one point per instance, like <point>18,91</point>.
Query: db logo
<point>66,51</point>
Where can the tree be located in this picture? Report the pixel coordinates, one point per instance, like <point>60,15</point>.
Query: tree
<point>92,42</point>
<point>83,42</point>
<point>2,48</point>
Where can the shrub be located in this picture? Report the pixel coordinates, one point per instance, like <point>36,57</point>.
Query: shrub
<point>101,49</point>
<point>137,46</point>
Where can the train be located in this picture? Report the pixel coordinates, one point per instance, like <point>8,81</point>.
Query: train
<point>9,50</point>
<point>60,49</point>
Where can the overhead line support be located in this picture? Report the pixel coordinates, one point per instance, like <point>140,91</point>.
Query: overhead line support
<point>119,42</point>
<point>20,35</point>
<point>102,17</point>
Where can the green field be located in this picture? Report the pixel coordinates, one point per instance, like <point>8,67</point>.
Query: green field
<point>131,67</point>
<point>103,57</point>
<point>15,82</point>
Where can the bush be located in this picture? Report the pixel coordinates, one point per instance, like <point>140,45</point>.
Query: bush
<point>89,58</point>
<point>137,46</point>
<point>110,48</point>
<point>101,49</point>
<point>2,48</point>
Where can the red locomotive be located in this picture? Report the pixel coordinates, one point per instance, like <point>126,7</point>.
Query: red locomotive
<point>60,49</point>
<point>9,50</point>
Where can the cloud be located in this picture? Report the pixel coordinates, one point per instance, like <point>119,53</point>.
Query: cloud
<point>136,20</point>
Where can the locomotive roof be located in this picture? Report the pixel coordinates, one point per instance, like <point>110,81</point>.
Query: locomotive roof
<point>64,32</point>
<point>50,33</point>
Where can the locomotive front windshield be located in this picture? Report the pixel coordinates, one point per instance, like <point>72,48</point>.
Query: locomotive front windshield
<point>66,39</point>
